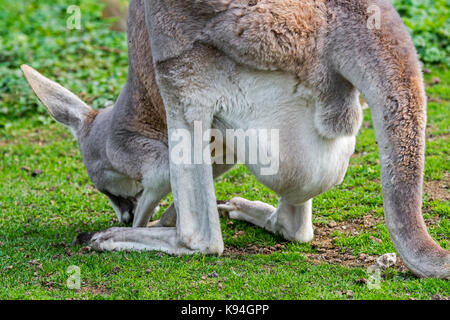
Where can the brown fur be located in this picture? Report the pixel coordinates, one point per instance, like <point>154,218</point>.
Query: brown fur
<point>90,117</point>
<point>149,118</point>
<point>271,34</point>
<point>389,51</point>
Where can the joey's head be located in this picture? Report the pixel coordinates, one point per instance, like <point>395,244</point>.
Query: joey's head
<point>88,127</point>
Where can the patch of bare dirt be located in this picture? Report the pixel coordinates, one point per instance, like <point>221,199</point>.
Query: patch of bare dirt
<point>251,249</point>
<point>438,190</point>
<point>433,137</point>
<point>34,137</point>
<point>94,289</point>
<point>326,250</point>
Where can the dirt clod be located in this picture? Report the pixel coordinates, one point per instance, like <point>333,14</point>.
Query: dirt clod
<point>332,224</point>
<point>434,81</point>
<point>36,172</point>
<point>361,281</point>
<point>86,249</point>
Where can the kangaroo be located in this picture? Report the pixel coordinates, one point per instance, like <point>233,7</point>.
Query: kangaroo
<point>296,66</point>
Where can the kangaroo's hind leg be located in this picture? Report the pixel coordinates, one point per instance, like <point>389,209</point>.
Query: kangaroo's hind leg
<point>293,222</point>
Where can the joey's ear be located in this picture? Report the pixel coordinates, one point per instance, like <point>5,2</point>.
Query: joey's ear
<point>63,105</point>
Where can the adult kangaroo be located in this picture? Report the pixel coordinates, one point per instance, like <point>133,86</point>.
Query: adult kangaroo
<point>296,66</point>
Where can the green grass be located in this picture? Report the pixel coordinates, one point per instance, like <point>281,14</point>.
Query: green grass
<point>40,215</point>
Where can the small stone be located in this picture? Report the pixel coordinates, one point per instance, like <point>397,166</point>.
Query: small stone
<point>214,275</point>
<point>238,234</point>
<point>109,103</point>
<point>386,260</point>
<point>332,224</point>
<point>438,297</point>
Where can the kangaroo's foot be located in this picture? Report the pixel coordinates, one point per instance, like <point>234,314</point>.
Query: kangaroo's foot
<point>293,222</point>
<point>136,239</point>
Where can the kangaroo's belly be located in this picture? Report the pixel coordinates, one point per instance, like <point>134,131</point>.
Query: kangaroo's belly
<point>294,160</point>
